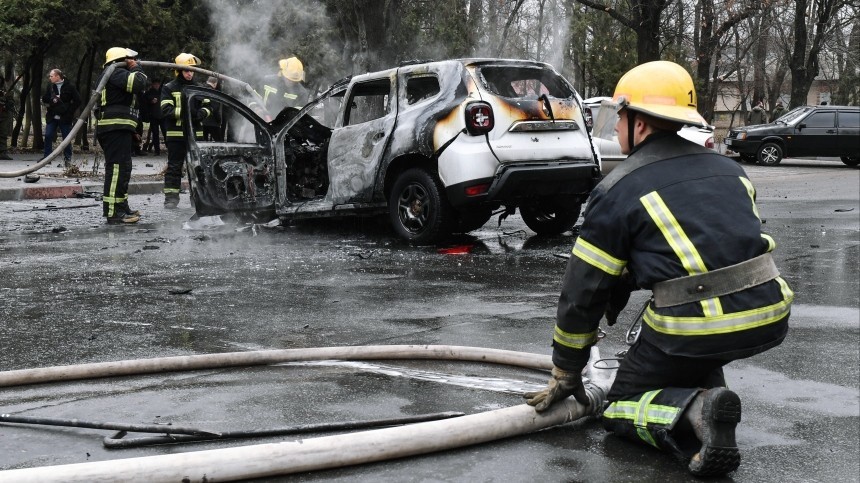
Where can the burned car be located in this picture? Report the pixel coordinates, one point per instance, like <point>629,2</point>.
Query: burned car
<point>438,146</point>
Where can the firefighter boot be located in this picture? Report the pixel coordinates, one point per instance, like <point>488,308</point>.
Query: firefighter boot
<point>126,209</point>
<point>171,200</point>
<point>714,414</point>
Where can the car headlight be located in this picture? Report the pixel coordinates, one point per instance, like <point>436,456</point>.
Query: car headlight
<point>742,135</point>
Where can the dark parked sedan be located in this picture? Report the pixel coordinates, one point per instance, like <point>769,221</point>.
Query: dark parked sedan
<point>804,131</point>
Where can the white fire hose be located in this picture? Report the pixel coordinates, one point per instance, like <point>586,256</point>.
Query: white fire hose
<point>256,461</point>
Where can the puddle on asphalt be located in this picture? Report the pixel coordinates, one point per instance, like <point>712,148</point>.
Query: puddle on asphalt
<point>496,384</point>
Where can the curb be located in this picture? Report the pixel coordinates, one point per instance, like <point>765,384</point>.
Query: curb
<point>72,191</point>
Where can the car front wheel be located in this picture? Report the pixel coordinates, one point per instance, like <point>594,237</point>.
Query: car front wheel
<point>770,154</point>
<point>851,160</point>
<point>550,219</point>
<point>418,209</point>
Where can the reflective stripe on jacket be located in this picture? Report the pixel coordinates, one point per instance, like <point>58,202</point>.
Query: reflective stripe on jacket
<point>684,210</point>
<point>173,102</point>
<point>118,109</point>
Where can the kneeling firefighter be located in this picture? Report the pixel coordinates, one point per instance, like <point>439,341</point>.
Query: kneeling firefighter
<point>681,220</point>
<point>172,103</point>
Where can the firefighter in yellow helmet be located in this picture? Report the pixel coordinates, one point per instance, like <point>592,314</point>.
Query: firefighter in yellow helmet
<point>175,117</point>
<point>680,220</point>
<point>286,88</point>
<point>117,118</point>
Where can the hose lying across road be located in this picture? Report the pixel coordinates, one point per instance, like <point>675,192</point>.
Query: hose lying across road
<point>85,112</point>
<point>257,461</point>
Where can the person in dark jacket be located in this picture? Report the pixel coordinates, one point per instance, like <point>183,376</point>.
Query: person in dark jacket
<point>62,100</point>
<point>152,106</point>
<point>213,125</point>
<point>681,220</point>
<point>116,121</point>
<point>285,89</point>
<point>173,105</point>
<point>757,115</point>
<point>778,111</point>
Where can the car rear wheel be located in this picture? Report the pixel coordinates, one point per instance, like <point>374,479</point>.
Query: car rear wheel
<point>550,218</point>
<point>418,209</point>
<point>851,160</point>
<point>770,154</point>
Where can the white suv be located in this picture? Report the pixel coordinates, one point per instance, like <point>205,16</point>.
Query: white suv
<point>439,146</point>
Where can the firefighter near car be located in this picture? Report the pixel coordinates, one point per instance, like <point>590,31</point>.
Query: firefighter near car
<point>116,121</point>
<point>285,88</point>
<point>173,104</point>
<point>679,220</point>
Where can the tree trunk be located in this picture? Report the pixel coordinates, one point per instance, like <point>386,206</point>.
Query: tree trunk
<point>36,69</point>
<point>805,67</point>
<point>759,57</point>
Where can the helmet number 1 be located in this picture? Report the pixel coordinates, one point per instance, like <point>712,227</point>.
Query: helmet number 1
<point>692,101</point>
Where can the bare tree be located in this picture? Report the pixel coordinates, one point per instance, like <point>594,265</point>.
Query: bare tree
<point>643,17</point>
<point>804,64</point>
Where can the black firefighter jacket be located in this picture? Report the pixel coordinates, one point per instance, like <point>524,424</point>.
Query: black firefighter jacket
<point>173,101</point>
<point>118,108</point>
<point>685,210</point>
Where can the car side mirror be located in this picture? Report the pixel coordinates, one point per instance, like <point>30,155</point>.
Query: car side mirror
<point>801,125</point>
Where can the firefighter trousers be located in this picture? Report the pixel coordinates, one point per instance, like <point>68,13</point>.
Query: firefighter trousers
<point>173,175</point>
<point>117,146</point>
<point>650,393</point>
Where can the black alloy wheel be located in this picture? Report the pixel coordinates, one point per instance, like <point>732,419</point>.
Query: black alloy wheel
<point>418,209</point>
<point>770,154</point>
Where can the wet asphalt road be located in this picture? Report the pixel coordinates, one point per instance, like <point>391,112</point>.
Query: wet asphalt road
<point>76,291</point>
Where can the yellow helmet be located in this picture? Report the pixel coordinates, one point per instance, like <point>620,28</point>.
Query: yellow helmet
<point>292,69</point>
<point>186,59</point>
<point>117,53</point>
<point>661,89</point>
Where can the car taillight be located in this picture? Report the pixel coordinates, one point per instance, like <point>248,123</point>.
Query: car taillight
<point>479,118</point>
<point>477,189</point>
<point>709,143</point>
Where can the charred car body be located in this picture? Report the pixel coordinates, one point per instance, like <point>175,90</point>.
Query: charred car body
<point>438,146</point>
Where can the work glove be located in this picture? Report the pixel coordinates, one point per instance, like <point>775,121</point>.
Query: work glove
<point>619,295</point>
<point>561,385</point>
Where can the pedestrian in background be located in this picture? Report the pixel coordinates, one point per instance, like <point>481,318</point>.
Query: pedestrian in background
<point>6,114</point>
<point>757,115</point>
<point>173,108</point>
<point>152,110</point>
<point>116,121</point>
<point>62,100</point>
<point>778,111</point>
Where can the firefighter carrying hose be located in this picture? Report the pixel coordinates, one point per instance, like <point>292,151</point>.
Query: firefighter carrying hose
<point>680,220</point>
<point>173,103</point>
<point>116,120</point>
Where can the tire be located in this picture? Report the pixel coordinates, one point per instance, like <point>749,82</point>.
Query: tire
<point>851,160</point>
<point>749,158</point>
<point>472,220</point>
<point>418,209</point>
<point>550,218</point>
<point>770,154</point>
